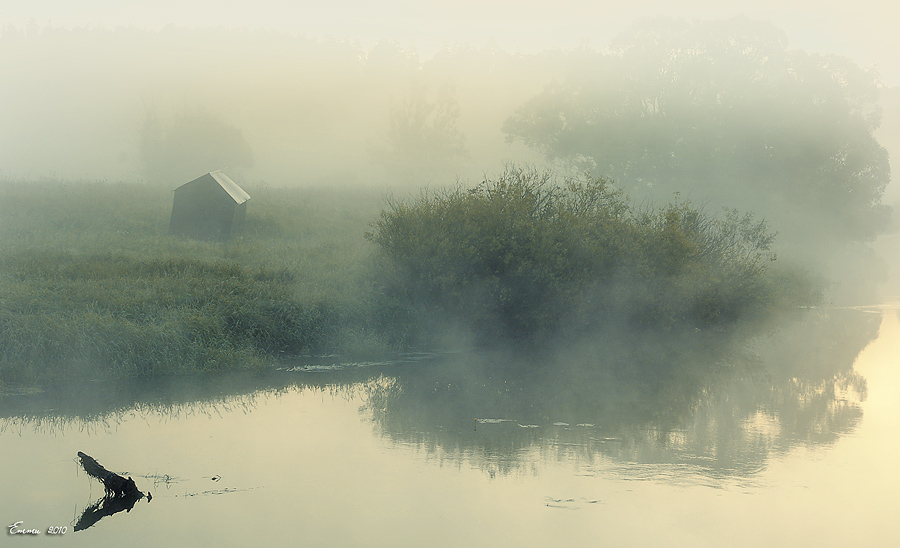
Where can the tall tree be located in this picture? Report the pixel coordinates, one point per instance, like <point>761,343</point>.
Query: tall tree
<point>725,113</point>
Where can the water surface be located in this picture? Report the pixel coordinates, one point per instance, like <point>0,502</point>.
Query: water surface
<point>790,440</point>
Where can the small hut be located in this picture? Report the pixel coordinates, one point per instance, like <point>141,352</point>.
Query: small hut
<point>211,207</point>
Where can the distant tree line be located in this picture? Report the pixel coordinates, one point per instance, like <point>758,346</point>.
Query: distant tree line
<point>722,111</point>
<point>725,113</point>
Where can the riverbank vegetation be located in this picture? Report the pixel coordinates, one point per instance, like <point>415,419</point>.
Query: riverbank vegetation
<point>91,285</point>
<point>528,257</point>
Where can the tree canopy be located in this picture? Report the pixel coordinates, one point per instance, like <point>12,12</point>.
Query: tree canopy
<point>723,112</point>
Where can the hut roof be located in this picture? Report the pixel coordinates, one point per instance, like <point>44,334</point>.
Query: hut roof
<point>237,193</point>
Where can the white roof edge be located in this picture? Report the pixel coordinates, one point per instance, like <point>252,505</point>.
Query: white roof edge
<point>237,193</point>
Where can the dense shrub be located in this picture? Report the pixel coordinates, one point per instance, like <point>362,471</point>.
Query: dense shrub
<point>525,255</point>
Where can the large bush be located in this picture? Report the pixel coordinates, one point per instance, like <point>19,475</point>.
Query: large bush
<point>524,256</point>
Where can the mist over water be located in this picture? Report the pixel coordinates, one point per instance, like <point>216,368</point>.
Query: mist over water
<point>383,452</point>
<point>626,279</point>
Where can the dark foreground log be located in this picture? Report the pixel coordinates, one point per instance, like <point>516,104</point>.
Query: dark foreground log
<point>115,485</point>
<point>121,493</point>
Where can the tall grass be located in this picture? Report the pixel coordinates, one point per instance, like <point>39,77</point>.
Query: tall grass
<point>91,285</point>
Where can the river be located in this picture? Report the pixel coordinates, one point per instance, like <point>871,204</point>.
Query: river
<point>791,440</point>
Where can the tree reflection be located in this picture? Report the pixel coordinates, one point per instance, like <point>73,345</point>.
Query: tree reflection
<point>721,409</point>
<point>709,406</point>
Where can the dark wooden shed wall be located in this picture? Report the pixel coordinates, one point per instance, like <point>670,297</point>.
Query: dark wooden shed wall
<point>202,209</point>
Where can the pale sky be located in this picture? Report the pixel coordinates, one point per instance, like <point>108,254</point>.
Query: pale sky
<point>865,30</point>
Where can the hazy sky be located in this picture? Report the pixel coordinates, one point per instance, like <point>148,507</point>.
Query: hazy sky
<point>865,30</point>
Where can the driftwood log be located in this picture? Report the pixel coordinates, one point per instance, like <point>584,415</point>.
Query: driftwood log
<point>120,493</point>
<point>115,485</point>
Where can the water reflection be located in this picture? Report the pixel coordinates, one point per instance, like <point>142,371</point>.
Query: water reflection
<point>101,406</point>
<point>674,409</point>
<point>119,493</point>
<point>694,409</point>
<point>106,506</point>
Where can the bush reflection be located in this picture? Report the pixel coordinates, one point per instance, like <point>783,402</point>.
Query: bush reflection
<point>719,406</point>
<point>721,409</point>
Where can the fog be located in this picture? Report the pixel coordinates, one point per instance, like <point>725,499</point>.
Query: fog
<point>309,109</point>
<point>312,87</point>
<point>486,254</point>
<point>797,126</point>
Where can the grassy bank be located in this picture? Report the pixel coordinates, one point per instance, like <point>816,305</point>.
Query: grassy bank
<point>91,285</point>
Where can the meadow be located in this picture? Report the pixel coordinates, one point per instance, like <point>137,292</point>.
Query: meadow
<point>91,284</point>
